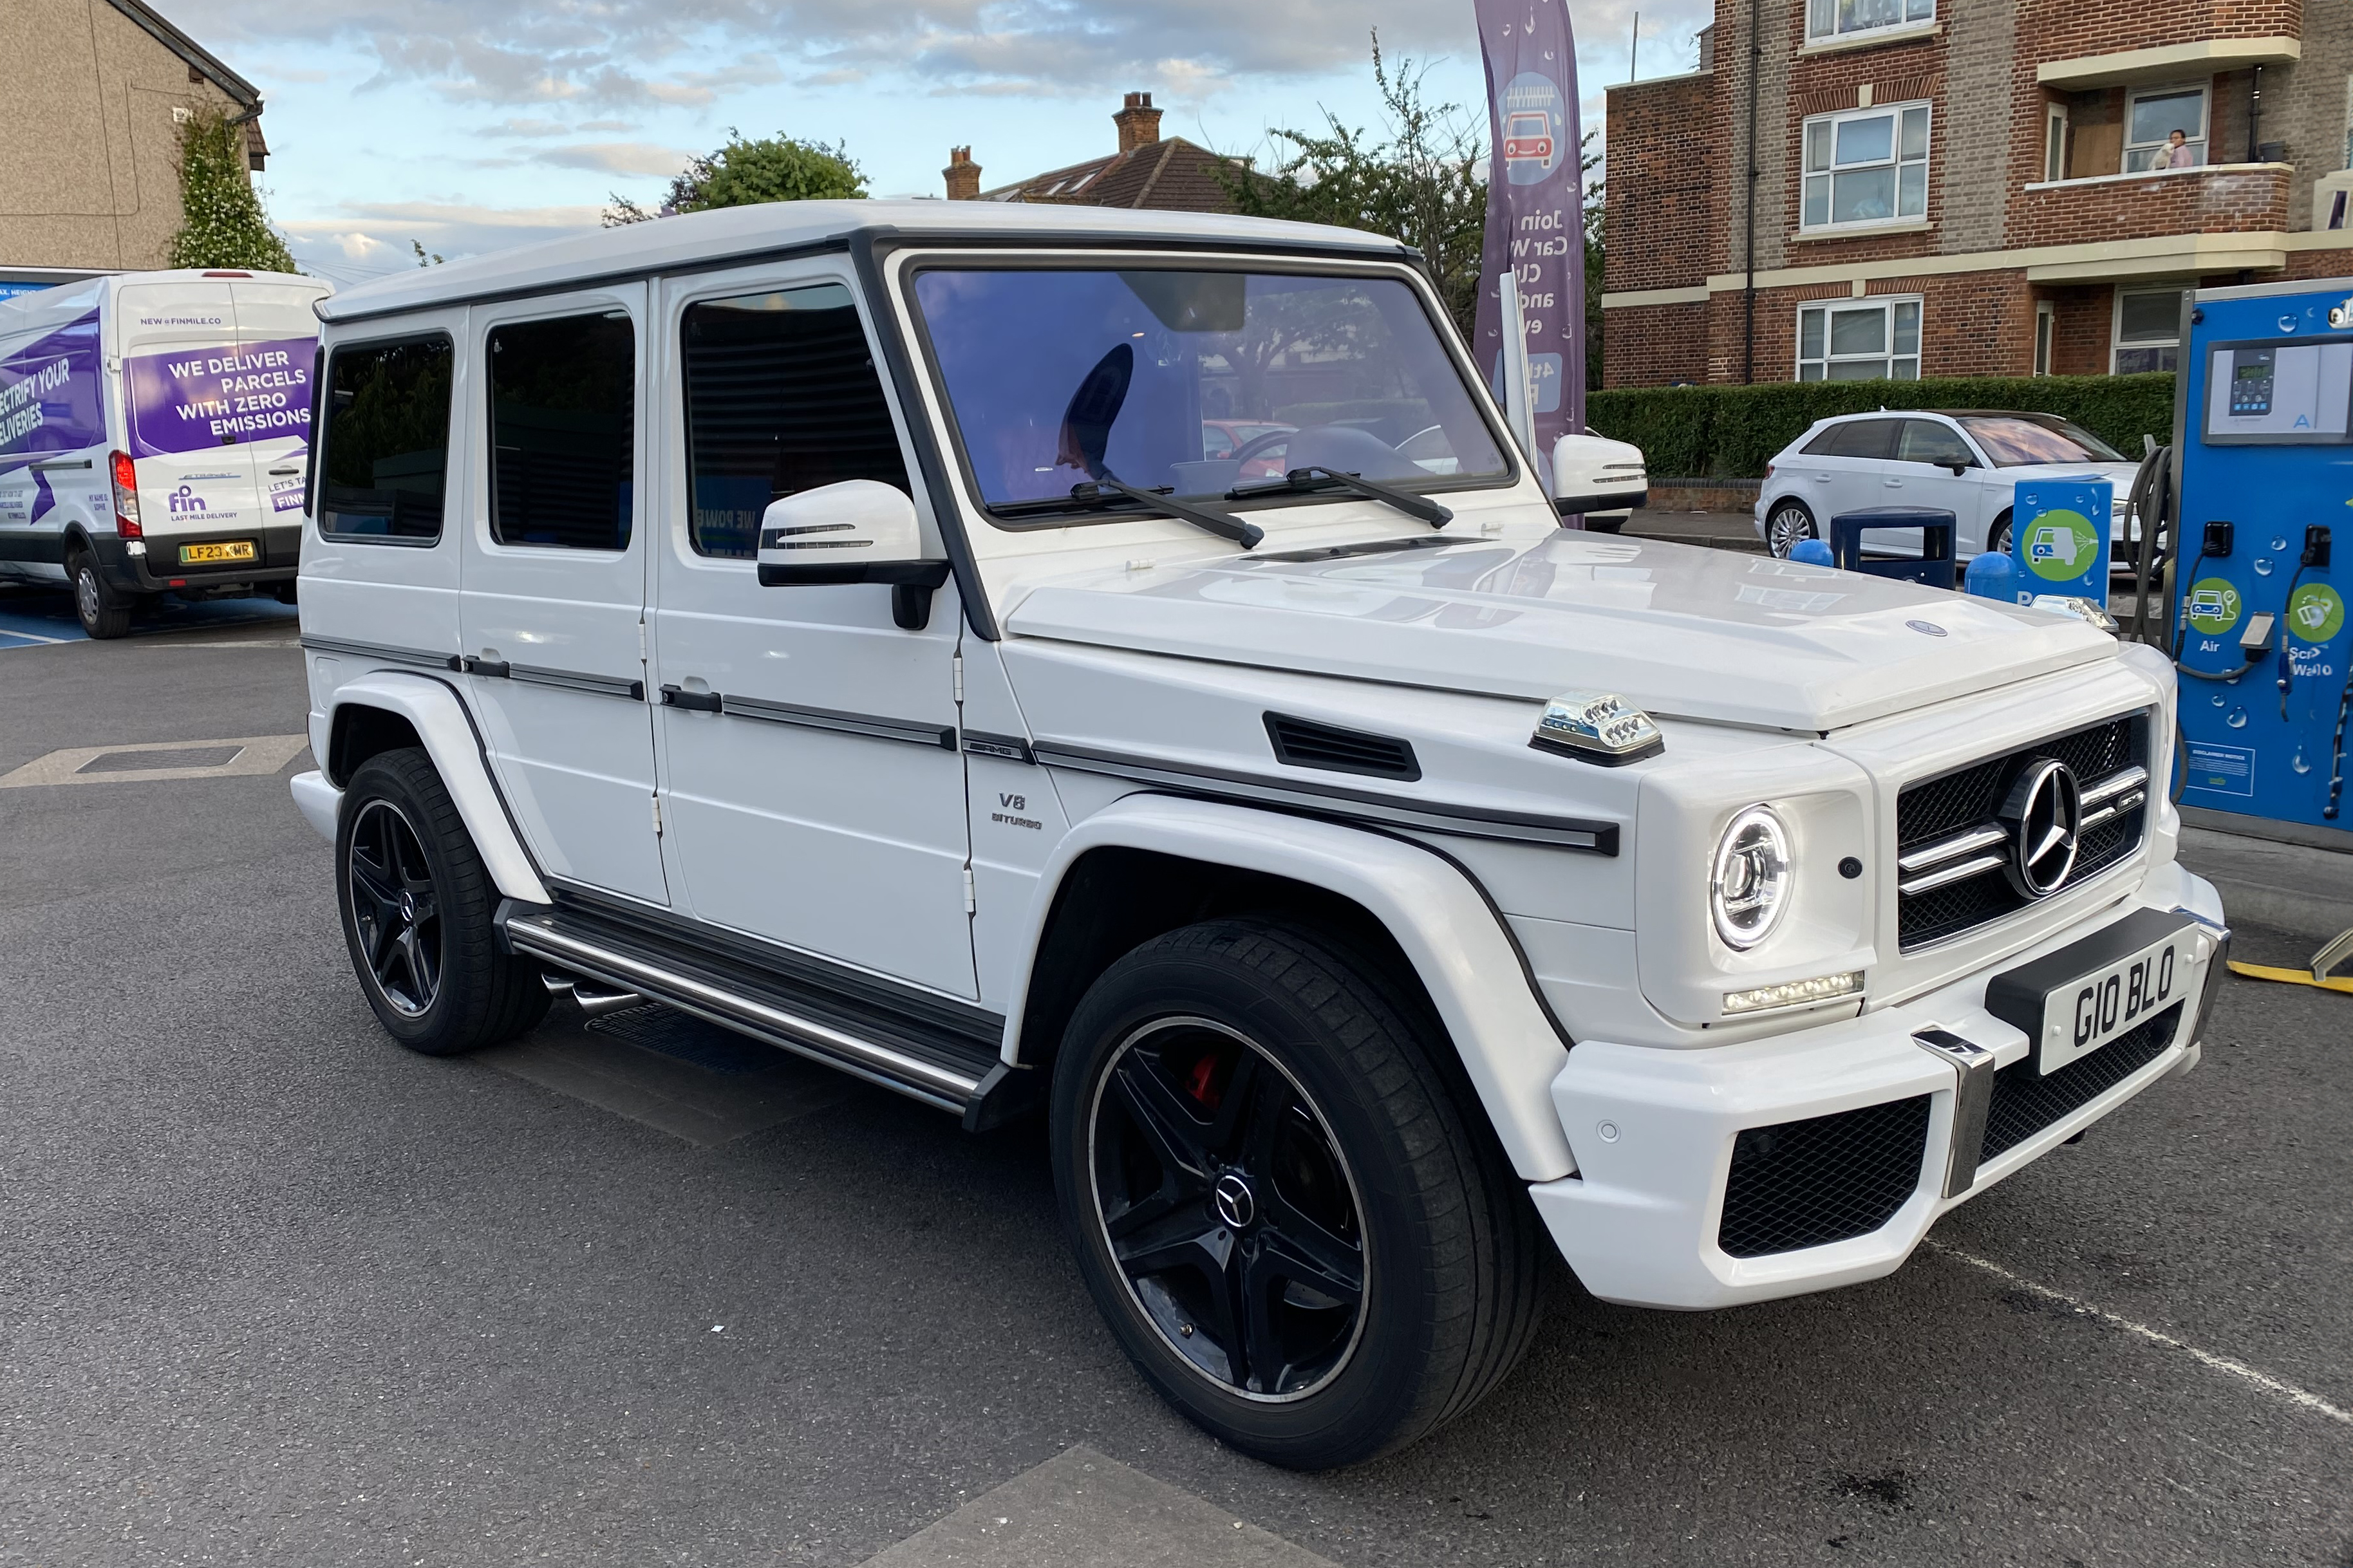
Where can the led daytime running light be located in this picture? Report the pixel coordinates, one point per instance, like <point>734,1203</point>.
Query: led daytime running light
<point>1795,992</point>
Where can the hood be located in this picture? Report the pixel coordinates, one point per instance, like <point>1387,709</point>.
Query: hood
<point>1680,630</point>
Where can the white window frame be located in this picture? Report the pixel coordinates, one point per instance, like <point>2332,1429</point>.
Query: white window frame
<point>2117,347</point>
<point>1895,114</point>
<point>1890,304</point>
<point>1822,19</point>
<point>2201,138</point>
<point>2046,336</point>
<point>2054,142</point>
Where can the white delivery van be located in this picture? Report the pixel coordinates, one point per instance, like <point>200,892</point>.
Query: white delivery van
<point>155,436</point>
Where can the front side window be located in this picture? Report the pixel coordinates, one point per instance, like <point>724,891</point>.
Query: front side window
<point>1932,441</point>
<point>781,396</point>
<point>2149,331</point>
<point>562,431</point>
<point>1194,382</point>
<point>1832,18</point>
<point>1862,341</point>
<point>385,429</point>
<point>2165,127</point>
<point>2013,443</point>
<point>1866,167</point>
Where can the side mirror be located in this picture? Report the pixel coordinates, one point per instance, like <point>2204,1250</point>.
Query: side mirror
<point>859,531</point>
<point>1958,465</point>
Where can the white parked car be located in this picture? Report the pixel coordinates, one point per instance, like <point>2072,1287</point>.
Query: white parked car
<point>820,617</point>
<point>1969,462</point>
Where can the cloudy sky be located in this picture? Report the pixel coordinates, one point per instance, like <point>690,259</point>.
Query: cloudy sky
<point>467,125</point>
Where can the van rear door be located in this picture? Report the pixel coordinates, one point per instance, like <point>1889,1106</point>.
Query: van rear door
<point>278,339</point>
<point>196,486</point>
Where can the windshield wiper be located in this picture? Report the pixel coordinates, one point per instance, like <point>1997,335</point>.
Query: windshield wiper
<point>1301,481</point>
<point>1107,490</point>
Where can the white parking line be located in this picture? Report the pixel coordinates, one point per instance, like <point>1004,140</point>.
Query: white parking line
<point>2237,1369</point>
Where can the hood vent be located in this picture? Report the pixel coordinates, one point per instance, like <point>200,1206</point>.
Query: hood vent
<point>1303,743</point>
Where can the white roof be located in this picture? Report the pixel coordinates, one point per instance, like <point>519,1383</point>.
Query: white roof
<point>701,238</point>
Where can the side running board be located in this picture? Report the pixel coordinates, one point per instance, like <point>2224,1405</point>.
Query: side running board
<point>941,1053</point>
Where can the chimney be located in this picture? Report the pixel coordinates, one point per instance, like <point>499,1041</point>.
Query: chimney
<point>963,175</point>
<point>1138,122</point>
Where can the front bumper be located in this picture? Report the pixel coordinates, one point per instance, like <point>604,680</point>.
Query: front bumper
<point>1655,1130</point>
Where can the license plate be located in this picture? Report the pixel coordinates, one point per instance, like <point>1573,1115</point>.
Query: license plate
<point>205,554</point>
<point>2074,1001</point>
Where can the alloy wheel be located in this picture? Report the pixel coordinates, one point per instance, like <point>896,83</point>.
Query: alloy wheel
<point>86,597</point>
<point>395,907</point>
<point>1229,1209</point>
<point>1786,527</point>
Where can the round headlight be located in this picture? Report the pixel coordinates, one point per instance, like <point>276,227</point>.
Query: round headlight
<point>1749,885</point>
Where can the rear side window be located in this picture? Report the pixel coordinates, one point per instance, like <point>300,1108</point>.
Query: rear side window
<point>386,435</point>
<point>1855,439</point>
<point>562,431</point>
<point>781,396</point>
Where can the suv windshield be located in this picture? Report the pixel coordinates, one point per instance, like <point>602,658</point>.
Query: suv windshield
<point>2013,443</point>
<point>1194,382</point>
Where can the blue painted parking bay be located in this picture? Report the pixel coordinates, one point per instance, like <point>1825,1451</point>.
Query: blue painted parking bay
<point>41,619</point>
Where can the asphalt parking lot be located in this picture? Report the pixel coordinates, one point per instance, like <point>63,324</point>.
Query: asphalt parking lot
<point>274,1291</point>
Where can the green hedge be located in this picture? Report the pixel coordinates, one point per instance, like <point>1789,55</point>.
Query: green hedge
<point>1732,432</point>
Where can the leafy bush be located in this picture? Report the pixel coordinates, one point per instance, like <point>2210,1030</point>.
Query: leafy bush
<point>221,220</point>
<point>746,172</point>
<point>1732,432</point>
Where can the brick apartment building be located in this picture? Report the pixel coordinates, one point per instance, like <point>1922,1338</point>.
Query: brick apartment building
<point>1146,170</point>
<point>90,180</point>
<point>1969,188</point>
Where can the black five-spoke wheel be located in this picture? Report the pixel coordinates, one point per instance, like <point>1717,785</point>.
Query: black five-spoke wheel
<point>395,907</point>
<point>419,907</point>
<point>1275,1198</point>
<point>1229,1209</point>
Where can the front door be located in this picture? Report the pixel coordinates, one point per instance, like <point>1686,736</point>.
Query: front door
<point>553,582</point>
<point>813,794</point>
<point>1922,475</point>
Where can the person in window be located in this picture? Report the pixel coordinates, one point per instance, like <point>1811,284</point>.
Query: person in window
<point>2177,152</point>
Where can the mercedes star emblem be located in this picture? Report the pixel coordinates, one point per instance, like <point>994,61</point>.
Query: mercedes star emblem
<point>2044,815</point>
<point>1235,1204</point>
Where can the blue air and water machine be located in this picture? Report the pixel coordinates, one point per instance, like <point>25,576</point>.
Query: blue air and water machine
<point>2242,576</point>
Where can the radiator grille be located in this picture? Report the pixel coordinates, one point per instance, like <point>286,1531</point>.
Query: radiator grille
<point>1825,1179</point>
<point>1940,807</point>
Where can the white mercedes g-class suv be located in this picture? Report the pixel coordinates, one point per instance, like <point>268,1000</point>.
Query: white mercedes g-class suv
<point>823,619</point>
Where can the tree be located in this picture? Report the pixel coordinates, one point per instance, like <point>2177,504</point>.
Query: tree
<point>745,172</point>
<point>1596,199</point>
<point>1422,181</point>
<point>221,223</point>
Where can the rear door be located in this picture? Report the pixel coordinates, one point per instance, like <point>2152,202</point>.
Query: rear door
<point>1839,471</point>
<point>200,503</point>
<point>552,580</point>
<point>269,391</point>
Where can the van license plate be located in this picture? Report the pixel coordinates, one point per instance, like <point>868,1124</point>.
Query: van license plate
<point>206,554</point>
<point>2078,999</point>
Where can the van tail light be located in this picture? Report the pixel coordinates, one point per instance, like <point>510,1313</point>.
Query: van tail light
<point>1768,471</point>
<point>126,495</point>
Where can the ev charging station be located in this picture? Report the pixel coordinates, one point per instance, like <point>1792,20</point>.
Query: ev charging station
<point>2265,463</point>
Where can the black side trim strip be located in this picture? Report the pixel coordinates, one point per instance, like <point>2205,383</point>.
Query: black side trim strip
<point>939,735</point>
<point>1012,748</point>
<point>1331,800</point>
<point>384,650</point>
<point>569,679</point>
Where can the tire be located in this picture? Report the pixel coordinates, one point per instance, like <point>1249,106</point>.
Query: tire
<point>417,904</point>
<point>1350,1222</point>
<point>1997,541</point>
<point>284,593</point>
<point>1604,524</point>
<point>102,611</point>
<point>1789,522</point>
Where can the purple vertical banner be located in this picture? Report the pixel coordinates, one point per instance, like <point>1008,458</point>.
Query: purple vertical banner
<point>1536,209</point>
